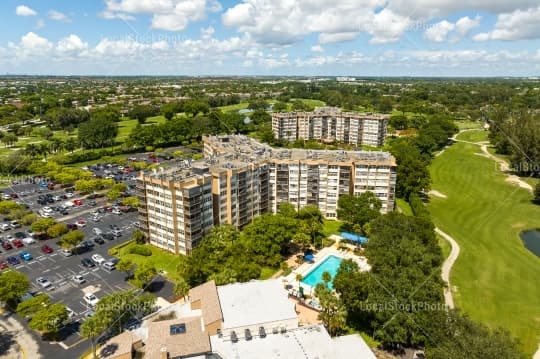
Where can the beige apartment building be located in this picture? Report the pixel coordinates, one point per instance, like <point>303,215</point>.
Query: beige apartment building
<point>240,179</point>
<point>330,124</point>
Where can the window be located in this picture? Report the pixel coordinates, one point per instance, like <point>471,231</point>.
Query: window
<point>177,329</point>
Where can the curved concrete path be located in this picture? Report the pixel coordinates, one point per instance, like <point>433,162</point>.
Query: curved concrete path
<point>447,267</point>
<point>29,348</point>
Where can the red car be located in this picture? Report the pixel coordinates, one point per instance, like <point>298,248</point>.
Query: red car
<point>77,202</point>
<point>46,249</point>
<point>18,243</point>
<point>3,265</point>
<point>6,245</point>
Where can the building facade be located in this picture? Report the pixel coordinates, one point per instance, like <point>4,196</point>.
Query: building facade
<point>330,124</point>
<point>239,179</point>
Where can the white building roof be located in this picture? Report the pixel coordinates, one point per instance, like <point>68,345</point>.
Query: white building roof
<point>255,302</point>
<point>305,342</point>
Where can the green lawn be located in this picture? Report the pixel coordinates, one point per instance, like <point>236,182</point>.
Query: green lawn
<point>267,273</point>
<point>307,101</point>
<point>234,108</point>
<point>463,124</point>
<point>156,119</point>
<point>124,129</point>
<point>404,206</point>
<point>473,136</point>
<point>496,277</point>
<point>446,248</point>
<point>24,140</point>
<point>331,227</point>
<point>161,259</point>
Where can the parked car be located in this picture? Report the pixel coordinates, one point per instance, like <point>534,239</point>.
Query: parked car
<point>65,252</point>
<point>15,224</point>
<point>79,279</point>
<point>109,266</point>
<point>3,265</point>
<point>97,231</point>
<point>46,249</point>
<point>6,245</point>
<point>25,256</point>
<point>43,282</point>
<point>98,259</point>
<point>108,236</point>
<point>86,262</point>
<point>18,243</point>
<point>13,261</point>
<point>99,240</point>
<point>72,226</point>
<point>28,240</point>
<point>81,223</point>
<point>77,202</point>
<point>90,299</point>
<point>5,227</point>
<point>116,232</point>
<point>19,235</point>
<point>117,211</point>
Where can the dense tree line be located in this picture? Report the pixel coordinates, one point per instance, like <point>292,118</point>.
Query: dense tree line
<point>517,134</point>
<point>221,255</point>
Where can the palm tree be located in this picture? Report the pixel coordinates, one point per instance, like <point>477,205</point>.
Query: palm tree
<point>91,328</point>
<point>31,150</point>
<point>326,277</point>
<point>298,279</point>
<point>181,288</point>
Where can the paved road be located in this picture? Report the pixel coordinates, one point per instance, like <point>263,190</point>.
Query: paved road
<point>20,342</point>
<point>447,267</point>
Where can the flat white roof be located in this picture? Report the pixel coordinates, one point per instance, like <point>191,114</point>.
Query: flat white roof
<point>255,302</point>
<point>305,342</point>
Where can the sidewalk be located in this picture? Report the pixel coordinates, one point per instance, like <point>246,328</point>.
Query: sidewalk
<point>25,347</point>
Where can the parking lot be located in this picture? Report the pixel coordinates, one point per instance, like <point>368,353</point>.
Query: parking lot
<point>59,269</point>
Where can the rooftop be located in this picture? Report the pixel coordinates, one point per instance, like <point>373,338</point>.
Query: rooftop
<point>179,337</point>
<point>119,345</point>
<point>255,302</point>
<point>311,342</point>
<point>207,293</point>
<point>332,111</point>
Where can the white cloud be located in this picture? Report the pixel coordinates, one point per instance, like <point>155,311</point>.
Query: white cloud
<point>317,48</point>
<point>71,43</point>
<point>170,15</point>
<point>517,25</point>
<point>426,9</point>
<point>285,22</point>
<point>337,37</point>
<point>58,16</point>
<point>23,10</point>
<point>465,24</point>
<point>386,26</point>
<point>439,31</point>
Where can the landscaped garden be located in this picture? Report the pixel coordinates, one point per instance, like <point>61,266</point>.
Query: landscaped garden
<point>495,277</point>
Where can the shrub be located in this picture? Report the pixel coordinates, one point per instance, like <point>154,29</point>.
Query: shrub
<point>140,250</point>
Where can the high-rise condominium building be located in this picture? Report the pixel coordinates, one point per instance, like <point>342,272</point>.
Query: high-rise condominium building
<point>331,124</point>
<point>240,179</point>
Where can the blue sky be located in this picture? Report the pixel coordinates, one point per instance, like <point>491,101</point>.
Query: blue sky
<point>271,37</point>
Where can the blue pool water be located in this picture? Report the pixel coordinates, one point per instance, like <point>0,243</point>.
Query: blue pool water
<point>330,265</point>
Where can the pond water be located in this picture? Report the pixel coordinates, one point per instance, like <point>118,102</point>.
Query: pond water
<point>531,239</point>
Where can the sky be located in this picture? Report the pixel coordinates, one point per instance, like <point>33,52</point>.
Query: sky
<point>441,38</point>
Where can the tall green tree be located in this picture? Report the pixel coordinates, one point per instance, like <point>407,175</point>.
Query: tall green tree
<point>333,313</point>
<point>97,133</point>
<point>356,211</point>
<point>13,284</point>
<point>71,239</point>
<point>49,320</point>
<point>92,328</point>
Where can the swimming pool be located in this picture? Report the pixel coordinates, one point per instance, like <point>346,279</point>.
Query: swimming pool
<point>330,265</point>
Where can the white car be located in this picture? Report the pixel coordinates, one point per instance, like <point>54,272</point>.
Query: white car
<point>47,209</point>
<point>70,312</point>
<point>66,252</point>
<point>5,227</point>
<point>28,240</point>
<point>90,299</point>
<point>69,204</point>
<point>98,259</point>
<point>43,282</point>
<point>79,279</point>
<point>69,195</point>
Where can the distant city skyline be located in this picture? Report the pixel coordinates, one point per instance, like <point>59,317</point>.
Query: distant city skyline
<point>432,38</point>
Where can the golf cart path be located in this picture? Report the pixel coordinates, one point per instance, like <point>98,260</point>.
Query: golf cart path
<point>447,267</point>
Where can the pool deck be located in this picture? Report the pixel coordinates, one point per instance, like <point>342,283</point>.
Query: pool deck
<point>320,256</point>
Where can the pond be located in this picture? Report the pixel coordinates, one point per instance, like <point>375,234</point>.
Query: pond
<point>531,239</point>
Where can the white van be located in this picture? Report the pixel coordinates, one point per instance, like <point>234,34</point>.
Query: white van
<point>97,231</point>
